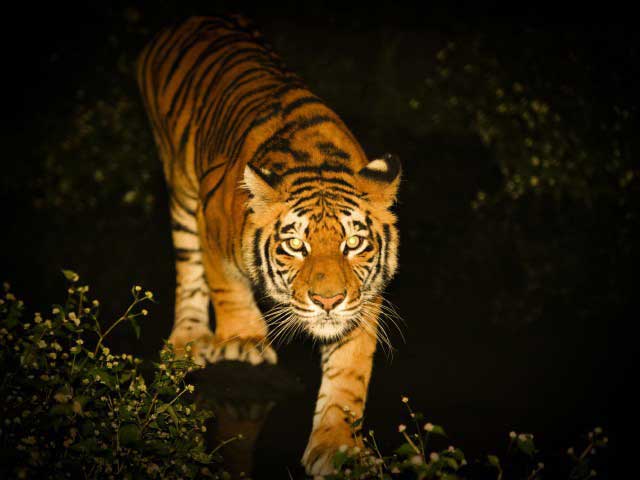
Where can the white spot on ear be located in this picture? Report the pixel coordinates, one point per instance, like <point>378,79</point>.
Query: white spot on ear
<point>265,171</point>
<point>378,166</point>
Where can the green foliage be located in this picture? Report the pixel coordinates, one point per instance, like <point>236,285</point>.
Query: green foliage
<point>71,406</point>
<point>102,154</point>
<point>549,139</point>
<point>546,135</point>
<point>419,457</point>
<point>108,150</point>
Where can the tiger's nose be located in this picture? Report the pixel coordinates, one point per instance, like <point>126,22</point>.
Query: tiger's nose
<point>327,303</point>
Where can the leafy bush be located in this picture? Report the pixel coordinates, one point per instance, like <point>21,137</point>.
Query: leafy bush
<point>419,456</point>
<point>72,407</point>
<point>546,136</point>
<point>109,151</point>
<point>102,153</point>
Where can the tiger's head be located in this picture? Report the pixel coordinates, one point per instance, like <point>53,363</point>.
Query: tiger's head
<point>323,242</point>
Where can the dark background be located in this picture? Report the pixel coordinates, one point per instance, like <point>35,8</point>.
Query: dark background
<point>517,316</point>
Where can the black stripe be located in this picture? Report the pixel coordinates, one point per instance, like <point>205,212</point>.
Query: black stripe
<point>359,225</point>
<point>235,147</point>
<point>288,228</point>
<point>331,150</point>
<point>212,49</point>
<point>246,111</point>
<point>290,129</point>
<point>184,49</point>
<point>180,227</point>
<point>179,203</point>
<point>319,169</point>
<point>227,95</point>
<point>191,292</point>
<point>387,237</point>
<point>300,102</point>
<point>303,180</point>
<point>257,259</point>
<point>210,169</point>
<point>267,259</point>
<point>209,195</point>
<point>205,109</point>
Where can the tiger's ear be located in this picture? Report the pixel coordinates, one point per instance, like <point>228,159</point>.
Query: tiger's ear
<point>262,185</point>
<point>380,179</point>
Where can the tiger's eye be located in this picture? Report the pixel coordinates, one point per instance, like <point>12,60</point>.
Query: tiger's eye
<point>295,244</point>
<point>354,241</point>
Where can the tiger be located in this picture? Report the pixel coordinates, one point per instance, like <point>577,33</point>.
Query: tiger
<point>269,194</point>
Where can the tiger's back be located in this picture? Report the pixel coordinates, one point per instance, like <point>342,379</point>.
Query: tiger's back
<point>268,186</point>
<point>218,97</point>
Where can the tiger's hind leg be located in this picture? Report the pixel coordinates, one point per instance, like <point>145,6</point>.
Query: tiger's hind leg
<point>191,321</point>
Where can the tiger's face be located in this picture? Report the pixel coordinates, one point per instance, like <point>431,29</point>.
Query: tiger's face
<point>324,243</point>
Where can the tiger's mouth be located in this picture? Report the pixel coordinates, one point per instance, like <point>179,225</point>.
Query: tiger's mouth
<point>329,326</point>
<point>290,317</point>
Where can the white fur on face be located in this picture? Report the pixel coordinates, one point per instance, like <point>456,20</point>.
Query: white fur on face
<point>327,328</point>
<point>300,221</point>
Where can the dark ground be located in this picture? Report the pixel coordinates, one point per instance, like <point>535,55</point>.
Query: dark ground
<point>516,318</point>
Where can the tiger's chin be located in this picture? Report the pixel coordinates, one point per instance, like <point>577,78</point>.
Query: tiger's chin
<point>328,329</point>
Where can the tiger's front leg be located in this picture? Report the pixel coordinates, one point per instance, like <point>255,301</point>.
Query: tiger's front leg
<point>241,331</point>
<point>346,370</point>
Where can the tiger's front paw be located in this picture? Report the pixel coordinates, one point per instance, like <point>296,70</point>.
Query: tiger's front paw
<point>187,342</point>
<point>321,449</point>
<point>252,350</point>
<point>203,347</point>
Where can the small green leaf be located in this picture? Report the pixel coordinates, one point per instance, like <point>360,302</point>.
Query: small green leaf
<point>136,327</point>
<point>201,457</point>
<point>158,447</point>
<point>494,461</point>
<point>339,459</point>
<point>89,445</point>
<point>62,409</point>
<point>438,430</point>
<point>453,464</point>
<point>527,447</point>
<point>104,375</point>
<point>129,435</point>
<point>172,412</point>
<point>70,275</point>
<point>458,455</point>
<point>405,450</point>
